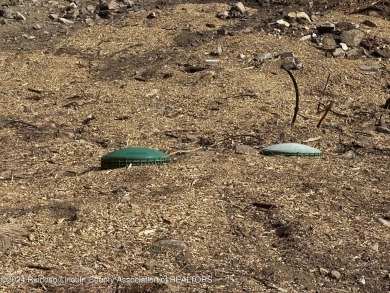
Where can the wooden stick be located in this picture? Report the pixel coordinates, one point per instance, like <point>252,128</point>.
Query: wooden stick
<point>325,113</point>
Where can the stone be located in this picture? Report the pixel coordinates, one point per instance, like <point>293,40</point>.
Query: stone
<point>219,50</point>
<point>89,21</point>
<point>128,3</point>
<point>369,68</point>
<point>305,38</point>
<point>244,149</point>
<point>91,8</point>
<point>65,21</point>
<point>326,28</point>
<point>353,53</point>
<point>19,16</point>
<point>264,57</point>
<point>328,43</point>
<point>283,23</point>
<point>112,5</point>
<point>343,46</point>
<point>303,15</point>
<point>54,16</point>
<point>369,23</point>
<point>292,15</point>
<point>151,15</point>
<point>191,138</point>
<point>37,26</point>
<point>239,7</point>
<point>223,14</point>
<point>335,274</point>
<point>352,37</point>
<point>338,53</point>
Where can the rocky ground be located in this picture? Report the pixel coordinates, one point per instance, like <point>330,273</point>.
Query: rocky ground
<point>208,83</point>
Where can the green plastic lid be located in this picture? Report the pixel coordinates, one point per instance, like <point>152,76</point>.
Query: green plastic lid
<point>291,149</point>
<point>135,156</point>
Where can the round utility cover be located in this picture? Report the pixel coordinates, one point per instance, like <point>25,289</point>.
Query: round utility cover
<point>291,149</point>
<point>135,156</point>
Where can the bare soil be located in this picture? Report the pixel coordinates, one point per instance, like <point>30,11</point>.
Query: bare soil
<point>70,93</point>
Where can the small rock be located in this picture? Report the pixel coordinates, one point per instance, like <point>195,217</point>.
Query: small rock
<point>151,15</point>
<point>241,56</point>
<point>323,271</point>
<point>223,14</point>
<point>19,16</point>
<point>344,46</point>
<point>112,5</point>
<point>352,37</point>
<point>292,15</point>
<point>239,7</point>
<point>31,237</point>
<point>326,28</point>
<point>128,3</point>
<point>353,53</point>
<point>54,16</point>
<point>264,57</point>
<point>369,68</point>
<point>303,15</point>
<point>361,281</point>
<point>328,43</point>
<point>91,8</point>
<point>37,26</point>
<point>305,38</point>
<point>244,149</point>
<point>283,23</point>
<point>89,21</point>
<point>191,138</point>
<point>335,274</point>
<point>65,21</point>
<point>369,23</point>
<point>219,50</point>
<point>338,53</point>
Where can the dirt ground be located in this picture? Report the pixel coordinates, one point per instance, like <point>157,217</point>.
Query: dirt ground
<point>214,219</point>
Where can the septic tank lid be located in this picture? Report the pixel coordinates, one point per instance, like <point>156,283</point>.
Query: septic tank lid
<point>135,156</point>
<point>291,149</point>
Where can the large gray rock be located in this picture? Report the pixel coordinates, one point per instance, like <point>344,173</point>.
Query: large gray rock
<point>352,38</point>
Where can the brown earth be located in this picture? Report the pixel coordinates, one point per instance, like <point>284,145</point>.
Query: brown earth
<point>71,93</point>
